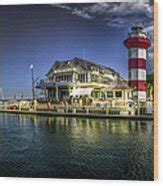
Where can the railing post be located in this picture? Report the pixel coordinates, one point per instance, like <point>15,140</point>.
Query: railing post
<point>66,108</point>
<point>74,110</point>
<point>19,105</point>
<point>107,110</point>
<point>87,110</point>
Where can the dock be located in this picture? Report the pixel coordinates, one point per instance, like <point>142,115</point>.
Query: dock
<point>85,115</point>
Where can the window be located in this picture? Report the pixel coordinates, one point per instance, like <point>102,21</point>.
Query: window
<point>82,77</point>
<point>69,78</point>
<point>86,77</point>
<point>102,95</point>
<point>118,94</point>
<point>95,94</point>
<point>109,94</point>
<point>57,78</point>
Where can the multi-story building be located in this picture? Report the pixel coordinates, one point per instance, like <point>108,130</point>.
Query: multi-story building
<point>77,79</point>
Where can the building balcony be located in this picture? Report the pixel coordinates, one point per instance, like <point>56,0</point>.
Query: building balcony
<point>49,84</point>
<point>110,76</point>
<point>95,72</point>
<point>65,70</point>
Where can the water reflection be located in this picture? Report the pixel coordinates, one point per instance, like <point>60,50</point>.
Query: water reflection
<point>76,147</point>
<point>86,128</point>
<point>88,125</point>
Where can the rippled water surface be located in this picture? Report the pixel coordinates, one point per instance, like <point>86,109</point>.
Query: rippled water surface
<point>36,146</point>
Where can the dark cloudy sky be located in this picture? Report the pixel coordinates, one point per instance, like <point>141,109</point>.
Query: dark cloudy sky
<point>41,34</point>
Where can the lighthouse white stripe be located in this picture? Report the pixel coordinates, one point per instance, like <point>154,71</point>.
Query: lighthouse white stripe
<point>137,53</point>
<point>140,95</point>
<point>136,35</point>
<point>137,74</point>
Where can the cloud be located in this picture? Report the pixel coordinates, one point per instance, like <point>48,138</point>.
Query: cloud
<point>81,13</point>
<point>62,6</point>
<point>118,15</point>
<point>74,10</point>
<point>114,14</point>
<point>150,29</point>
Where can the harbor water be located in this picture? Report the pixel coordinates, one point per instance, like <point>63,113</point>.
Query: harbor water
<point>69,147</point>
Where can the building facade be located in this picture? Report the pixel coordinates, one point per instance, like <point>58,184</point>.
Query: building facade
<point>85,83</point>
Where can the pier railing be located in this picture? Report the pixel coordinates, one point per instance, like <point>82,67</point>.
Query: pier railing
<point>76,109</point>
<point>90,109</point>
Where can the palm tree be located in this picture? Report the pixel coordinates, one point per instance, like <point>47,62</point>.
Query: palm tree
<point>150,90</point>
<point>150,85</point>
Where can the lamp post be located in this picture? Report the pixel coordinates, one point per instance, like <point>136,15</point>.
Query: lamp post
<point>33,86</point>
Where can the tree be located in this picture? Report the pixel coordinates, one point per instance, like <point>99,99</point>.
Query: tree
<point>150,85</point>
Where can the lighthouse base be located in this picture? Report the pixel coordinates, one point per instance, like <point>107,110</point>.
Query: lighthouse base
<point>140,96</point>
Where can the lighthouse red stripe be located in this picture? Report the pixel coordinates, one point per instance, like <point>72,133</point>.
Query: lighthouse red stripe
<point>137,63</point>
<point>137,43</point>
<point>138,85</point>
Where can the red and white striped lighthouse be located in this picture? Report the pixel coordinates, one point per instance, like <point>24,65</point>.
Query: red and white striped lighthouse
<point>137,44</point>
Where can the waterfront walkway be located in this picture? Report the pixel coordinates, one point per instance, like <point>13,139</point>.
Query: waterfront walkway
<point>88,115</point>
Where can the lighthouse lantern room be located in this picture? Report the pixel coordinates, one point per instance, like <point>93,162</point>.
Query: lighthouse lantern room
<point>137,44</point>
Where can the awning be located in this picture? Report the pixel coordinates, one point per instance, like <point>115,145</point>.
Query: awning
<point>81,92</point>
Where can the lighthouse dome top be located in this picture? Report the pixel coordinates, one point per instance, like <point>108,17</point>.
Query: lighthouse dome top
<point>137,38</point>
<point>137,27</point>
<point>137,31</point>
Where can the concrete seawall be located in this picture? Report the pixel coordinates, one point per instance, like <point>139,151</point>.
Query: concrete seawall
<point>85,115</point>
